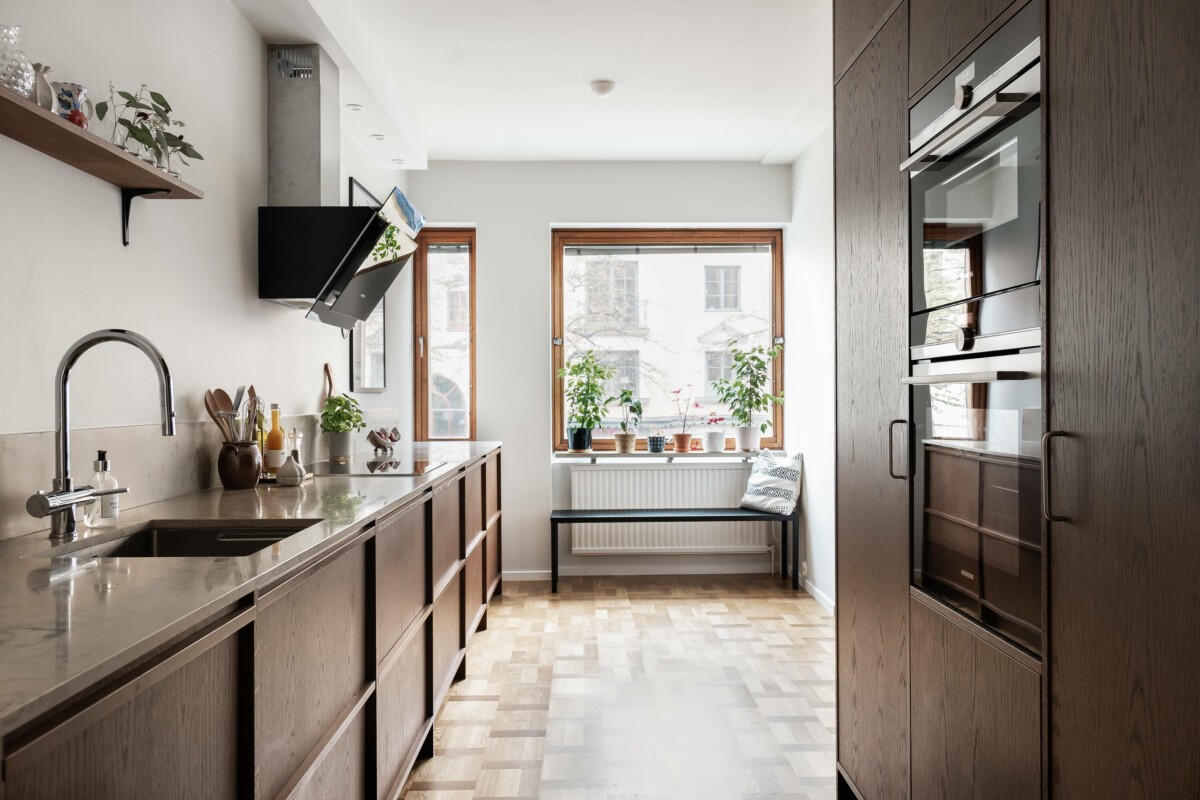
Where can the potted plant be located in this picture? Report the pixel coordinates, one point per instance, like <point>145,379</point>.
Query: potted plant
<point>631,415</point>
<point>683,409</point>
<point>746,393</point>
<point>714,436</point>
<point>340,418</point>
<point>587,401</point>
<point>656,442</point>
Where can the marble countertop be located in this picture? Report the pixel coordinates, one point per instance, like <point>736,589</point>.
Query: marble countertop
<point>66,624</point>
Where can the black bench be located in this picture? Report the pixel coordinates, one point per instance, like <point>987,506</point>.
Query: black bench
<point>610,515</point>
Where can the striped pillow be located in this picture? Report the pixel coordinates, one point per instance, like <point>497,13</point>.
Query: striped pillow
<point>774,484</point>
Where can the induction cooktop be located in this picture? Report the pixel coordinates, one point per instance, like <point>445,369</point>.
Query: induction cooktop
<point>396,465</point>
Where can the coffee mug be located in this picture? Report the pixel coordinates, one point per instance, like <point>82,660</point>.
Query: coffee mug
<point>71,103</point>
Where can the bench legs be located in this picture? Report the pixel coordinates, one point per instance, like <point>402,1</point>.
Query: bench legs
<point>554,557</point>
<point>783,550</point>
<point>795,553</point>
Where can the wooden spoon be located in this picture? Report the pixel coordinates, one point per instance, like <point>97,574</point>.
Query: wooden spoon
<point>210,405</point>
<point>224,402</point>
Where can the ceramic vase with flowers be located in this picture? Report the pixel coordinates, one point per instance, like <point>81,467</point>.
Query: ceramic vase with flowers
<point>685,406</point>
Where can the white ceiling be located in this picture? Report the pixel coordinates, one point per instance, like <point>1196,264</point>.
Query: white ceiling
<point>746,80</point>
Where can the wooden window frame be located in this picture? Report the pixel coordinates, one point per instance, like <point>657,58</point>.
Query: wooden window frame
<point>421,329</point>
<point>565,237</point>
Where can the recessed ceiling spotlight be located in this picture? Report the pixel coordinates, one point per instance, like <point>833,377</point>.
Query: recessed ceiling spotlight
<point>603,88</point>
<point>379,137</point>
<point>397,161</point>
<point>354,107</point>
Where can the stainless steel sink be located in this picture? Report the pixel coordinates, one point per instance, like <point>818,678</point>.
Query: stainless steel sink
<point>181,540</point>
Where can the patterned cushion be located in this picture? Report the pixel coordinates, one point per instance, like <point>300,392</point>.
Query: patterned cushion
<point>774,483</point>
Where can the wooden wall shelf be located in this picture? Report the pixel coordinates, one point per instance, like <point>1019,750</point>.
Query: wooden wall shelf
<point>49,133</point>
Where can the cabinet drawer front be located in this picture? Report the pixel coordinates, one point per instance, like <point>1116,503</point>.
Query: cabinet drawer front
<point>447,528</point>
<point>400,578</point>
<point>491,484</point>
<point>342,773</point>
<point>952,485</point>
<point>447,633</point>
<point>310,661</point>
<point>181,734</point>
<point>493,555</point>
<point>472,489</point>
<point>473,591</point>
<point>403,710</point>
<point>952,554</point>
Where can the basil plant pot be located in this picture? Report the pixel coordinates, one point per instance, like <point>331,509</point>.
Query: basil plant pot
<point>341,445</point>
<point>579,440</point>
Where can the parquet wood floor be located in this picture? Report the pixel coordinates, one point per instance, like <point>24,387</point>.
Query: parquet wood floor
<point>688,688</point>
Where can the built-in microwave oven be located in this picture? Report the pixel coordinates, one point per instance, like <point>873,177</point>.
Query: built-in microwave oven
<point>975,177</point>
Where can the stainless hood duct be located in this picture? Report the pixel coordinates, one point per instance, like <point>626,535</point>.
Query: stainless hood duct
<point>335,262</point>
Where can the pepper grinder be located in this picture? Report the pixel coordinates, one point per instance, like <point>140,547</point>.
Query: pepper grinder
<point>295,437</point>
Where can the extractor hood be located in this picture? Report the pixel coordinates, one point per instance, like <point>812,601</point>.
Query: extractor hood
<point>335,262</point>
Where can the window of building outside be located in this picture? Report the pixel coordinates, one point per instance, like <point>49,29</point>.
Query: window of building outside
<point>722,288</point>
<point>662,307</point>
<point>444,334</point>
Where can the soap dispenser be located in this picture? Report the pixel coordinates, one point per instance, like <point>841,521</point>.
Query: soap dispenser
<point>104,510</point>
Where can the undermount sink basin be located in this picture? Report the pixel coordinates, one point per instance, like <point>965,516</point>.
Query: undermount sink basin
<point>180,540</point>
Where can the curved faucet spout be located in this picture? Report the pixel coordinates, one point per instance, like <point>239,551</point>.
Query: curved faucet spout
<point>63,405</point>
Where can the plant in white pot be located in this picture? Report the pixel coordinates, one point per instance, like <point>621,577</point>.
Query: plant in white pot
<point>631,416</point>
<point>340,418</point>
<point>714,433</point>
<point>587,401</point>
<point>746,394</point>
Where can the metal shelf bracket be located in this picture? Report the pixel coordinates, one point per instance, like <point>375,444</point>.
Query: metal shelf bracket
<point>127,196</point>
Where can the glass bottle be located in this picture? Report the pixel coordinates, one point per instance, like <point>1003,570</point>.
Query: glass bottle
<point>275,455</point>
<point>103,511</point>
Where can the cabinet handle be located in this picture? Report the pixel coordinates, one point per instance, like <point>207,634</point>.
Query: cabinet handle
<point>891,456</point>
<point>1046,513</point>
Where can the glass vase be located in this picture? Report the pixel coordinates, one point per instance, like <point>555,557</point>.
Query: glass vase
<point>16,71</point>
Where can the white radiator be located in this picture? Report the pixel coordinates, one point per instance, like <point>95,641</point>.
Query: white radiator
<point>663,486</point>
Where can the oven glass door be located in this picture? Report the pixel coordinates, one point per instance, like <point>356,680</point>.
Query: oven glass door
<point>976,484</point>
<point>975,221</point>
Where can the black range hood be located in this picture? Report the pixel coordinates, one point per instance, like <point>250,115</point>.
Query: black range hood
<point>322,259</point>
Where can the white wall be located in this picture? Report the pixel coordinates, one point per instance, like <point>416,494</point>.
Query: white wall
<point>514,206</point>
<point>809,413</point>
<point>188,279</point>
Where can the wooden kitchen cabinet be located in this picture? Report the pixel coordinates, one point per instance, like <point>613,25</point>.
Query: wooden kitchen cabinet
<point>976,714</point>
<point>474,591</point>
<point>401,581</point>
<point>405,709</point>
<point>870,111</point>
<point>447,637</point>
<point>341,773</point>
<point>940,29</point>
<point>855,22</point>
<point>447,531</point>
<point>310,663</point>
<point>170,730</point>
<point>1122,311</point>
<point>492,504</point>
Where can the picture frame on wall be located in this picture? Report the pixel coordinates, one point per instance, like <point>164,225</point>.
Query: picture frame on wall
<point>368,339</point>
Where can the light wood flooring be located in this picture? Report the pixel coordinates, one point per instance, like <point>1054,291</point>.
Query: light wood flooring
<point>693,687</point>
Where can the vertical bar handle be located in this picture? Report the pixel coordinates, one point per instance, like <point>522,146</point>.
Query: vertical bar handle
<point>1047,514</point>
<point>891,455</point>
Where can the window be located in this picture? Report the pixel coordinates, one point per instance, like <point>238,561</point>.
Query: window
<point>718,365</point>
<point>723,288</point>
<point>444,334</point>
<point>642,300</point>
<point>458,309</point>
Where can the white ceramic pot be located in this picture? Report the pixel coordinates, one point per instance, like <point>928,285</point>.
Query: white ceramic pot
<point>714,442</point>
<point>341,446</point>
<point>747,439</point>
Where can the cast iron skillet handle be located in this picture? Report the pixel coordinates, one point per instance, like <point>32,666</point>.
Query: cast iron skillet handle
<point>1046,513</point>
<point>891,439</point>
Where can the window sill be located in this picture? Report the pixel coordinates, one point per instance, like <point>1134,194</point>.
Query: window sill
<point>668,457</point>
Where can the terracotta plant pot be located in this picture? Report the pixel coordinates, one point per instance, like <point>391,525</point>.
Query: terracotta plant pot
<point>748,438</point>
<point>714,442</point>
<point>683,442</point>
<point>239,465</point>
<point>579,440</point>
<point>656,444</point>
<point>626,442</point>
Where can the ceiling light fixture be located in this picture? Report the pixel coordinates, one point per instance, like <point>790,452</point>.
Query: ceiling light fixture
<point>379,137</point>
<point>603,88</point>
<point>354,107</point>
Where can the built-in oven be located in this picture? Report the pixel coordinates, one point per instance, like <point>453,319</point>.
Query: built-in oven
<point>975,177</point>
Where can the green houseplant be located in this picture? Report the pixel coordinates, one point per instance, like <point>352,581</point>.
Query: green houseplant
<point>631,416</point>
<point>340,417</point>
<point>587,398</point>
<point>746,394</point>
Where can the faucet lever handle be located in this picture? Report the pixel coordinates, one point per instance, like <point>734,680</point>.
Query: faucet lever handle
<point>43,504</point>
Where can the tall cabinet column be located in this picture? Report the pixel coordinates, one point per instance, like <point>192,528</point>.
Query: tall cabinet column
<point>871,200</point>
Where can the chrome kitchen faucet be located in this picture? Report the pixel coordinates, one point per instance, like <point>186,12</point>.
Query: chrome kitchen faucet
<point>60,503</point>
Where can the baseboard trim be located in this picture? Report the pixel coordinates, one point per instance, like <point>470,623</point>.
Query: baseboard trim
<point>819,596</point>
